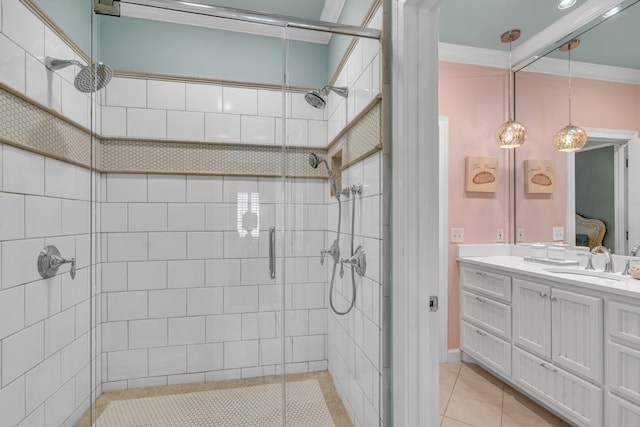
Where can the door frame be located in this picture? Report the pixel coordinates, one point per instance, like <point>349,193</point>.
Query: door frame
<point>618,138</point>
<point>443,241</point>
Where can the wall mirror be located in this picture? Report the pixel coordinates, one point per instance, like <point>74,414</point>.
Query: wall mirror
<point>594,182</point>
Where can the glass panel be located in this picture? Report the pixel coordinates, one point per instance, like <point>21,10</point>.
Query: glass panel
<point>333,280</point>
<point>45,221</point>
<point>191,168</point>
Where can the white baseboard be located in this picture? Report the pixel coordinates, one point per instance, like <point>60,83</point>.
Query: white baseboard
<point>453,355</point>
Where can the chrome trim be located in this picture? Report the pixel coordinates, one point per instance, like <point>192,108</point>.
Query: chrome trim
<point>259,17</point>
<point>272,252</point>
<point>49,261</point>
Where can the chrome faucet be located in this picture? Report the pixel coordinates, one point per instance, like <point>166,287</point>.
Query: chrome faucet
<point>633,252</point>
<point>608,261</point>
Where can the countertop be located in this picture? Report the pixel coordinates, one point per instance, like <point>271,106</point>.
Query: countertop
<point>627,287</point>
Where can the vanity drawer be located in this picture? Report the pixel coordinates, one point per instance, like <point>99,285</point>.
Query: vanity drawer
<point>579,400</point>
<point>621,413</point>
<point>624,371</point>
<point>491,315</point>
<point>486,348</point>
<point>491,284</point>
<point>624,322</point>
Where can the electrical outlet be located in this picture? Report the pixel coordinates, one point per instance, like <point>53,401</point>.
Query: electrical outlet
<point>457,235</point>
<point>558,234</point>
<point>500,235</point>
<point>520,235</point>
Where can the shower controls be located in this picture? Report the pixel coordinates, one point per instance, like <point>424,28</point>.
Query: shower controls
<point>358,262</point>
<point>333,252</point>
<point>49,261</point>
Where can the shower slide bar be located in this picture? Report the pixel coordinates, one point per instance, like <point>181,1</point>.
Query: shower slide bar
<point>259,17</point>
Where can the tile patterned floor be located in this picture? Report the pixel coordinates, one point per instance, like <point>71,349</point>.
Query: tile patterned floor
<point>469,396</point>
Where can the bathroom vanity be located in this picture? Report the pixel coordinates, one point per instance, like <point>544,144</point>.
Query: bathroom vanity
<point>569,341</point>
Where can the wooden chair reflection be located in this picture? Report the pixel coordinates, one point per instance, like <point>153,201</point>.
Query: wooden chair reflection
<point>589,231</point>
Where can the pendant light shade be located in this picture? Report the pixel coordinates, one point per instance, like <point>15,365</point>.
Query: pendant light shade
<point>511,134</point>
<point>570,138</point>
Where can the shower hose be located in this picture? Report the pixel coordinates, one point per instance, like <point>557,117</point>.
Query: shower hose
<point>335,262</point>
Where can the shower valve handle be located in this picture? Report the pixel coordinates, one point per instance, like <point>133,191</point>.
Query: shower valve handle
<point>333,252</point>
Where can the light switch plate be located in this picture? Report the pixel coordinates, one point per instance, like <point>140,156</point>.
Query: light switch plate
<point>558,234</point>
<point>520,235</point>
<point>500,235</point>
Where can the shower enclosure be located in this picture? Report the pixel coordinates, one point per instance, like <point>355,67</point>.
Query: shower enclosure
<point>206,224</point>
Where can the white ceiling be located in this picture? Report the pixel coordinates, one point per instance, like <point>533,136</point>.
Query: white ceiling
<point>479,24</point>
<point>315,10</point>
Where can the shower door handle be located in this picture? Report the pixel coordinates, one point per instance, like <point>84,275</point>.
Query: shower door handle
<point>272,252</point>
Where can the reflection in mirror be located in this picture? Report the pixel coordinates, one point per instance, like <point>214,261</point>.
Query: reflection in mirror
<point>592,183</point>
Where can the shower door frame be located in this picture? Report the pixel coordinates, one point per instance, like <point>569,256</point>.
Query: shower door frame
<point>284,25</point>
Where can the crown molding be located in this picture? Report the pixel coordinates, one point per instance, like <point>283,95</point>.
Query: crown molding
<point>332,9</point>
<point>499,59</point>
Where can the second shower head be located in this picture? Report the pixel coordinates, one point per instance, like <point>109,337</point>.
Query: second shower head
<point>314,162</point>
<point>90,78</point>
<point>317,98</point>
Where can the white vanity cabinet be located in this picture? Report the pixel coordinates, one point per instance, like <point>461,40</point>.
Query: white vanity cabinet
<point>563,327</point>
<point>558,348</point>
<point>486,318</point>
<point>542,337</point>
<point>623,364</point>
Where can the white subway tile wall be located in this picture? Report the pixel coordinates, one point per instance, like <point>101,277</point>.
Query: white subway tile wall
<point>354,340</point>
<point>187,275</point>
<point>182,274</point>
<point>44,323</point>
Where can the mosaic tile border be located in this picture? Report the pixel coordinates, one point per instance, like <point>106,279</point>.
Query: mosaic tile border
<point>361,138</point>
<point>27,125</point>
<point>146,156</point>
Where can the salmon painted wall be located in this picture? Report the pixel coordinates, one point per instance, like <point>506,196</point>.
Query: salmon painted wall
<point>475,99</point>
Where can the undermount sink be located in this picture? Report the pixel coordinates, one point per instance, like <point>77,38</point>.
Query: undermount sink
<point>583,272</point>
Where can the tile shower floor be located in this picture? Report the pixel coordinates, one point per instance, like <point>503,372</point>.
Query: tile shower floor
<point>469,396</point>
<point>239,388</point>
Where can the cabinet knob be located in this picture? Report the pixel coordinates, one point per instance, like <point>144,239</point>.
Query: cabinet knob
<point>543,294</point>
<point>481,299</point>
<point>479,332</point>
<point>552,298</point>
<point>479,273</point>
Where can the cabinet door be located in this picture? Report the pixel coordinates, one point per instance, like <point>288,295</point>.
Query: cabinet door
<point>578,400</point>
<point>486,313</point>
<point>482,282</point>
<point>623,371</point>
<point>532,317</point>
<point>621,413</point>
<point>624,322</point>
<point>577,333</point>
<point>487,348</point>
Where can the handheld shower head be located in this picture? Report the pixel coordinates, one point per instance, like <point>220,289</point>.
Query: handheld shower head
<point>317,98</point>
<point>90,78</point>
<point>314,162</point>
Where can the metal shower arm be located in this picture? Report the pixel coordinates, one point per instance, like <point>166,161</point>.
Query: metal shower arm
<point>56,64</point>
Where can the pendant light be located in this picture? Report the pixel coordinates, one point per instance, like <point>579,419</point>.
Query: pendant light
<point>570,138</point>
<point>511,134</point>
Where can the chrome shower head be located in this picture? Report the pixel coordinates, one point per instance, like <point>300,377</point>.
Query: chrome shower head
<point>90,78</point>
<point>314,160</point>
<point>317,98</point>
